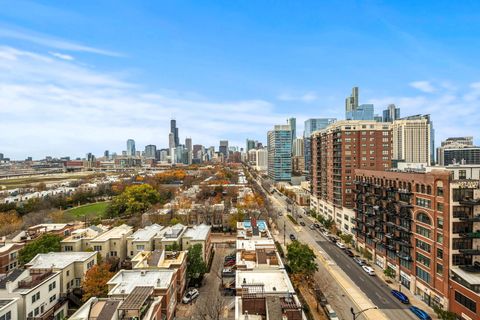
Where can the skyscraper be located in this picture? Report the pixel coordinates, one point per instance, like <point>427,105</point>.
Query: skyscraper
<point>151,151</point>
<point>189,150</point>
<point>174,131</point>
<point>354,111</point>
<point>131,148</point>
<point>106,154</point>
<point>458,150</point>
<point>171,140</point>
<point>391,114</point>
<point>250,145</point>
<point>280,153</point>
<point>292,122</point>
<point>188,144</point>
<point>413,140</point>
<point>223,149</point>
<point>312,125</point>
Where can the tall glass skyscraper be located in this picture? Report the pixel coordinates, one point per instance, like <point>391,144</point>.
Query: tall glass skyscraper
<point>280,153</point>
<point>312,125</point>
<point>131,148</point>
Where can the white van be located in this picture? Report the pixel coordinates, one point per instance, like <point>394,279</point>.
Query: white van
<point>332,315</point>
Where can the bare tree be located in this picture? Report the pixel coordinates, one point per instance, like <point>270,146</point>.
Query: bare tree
<point>216,309</point>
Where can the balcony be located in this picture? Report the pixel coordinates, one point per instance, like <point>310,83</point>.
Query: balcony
<point>470,202</point>
<point>34,280</point>
<point>402,228</point>
<point>475,235</point>
<point>389,235</point>
<point>468,218</point>
<point>470,252</point>
<point>404,256</point>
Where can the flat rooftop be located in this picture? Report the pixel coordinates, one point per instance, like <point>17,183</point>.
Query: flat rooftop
<point>199,232</point>
<point>470,277</point>
<point>58,260</point>
<point>114,233</point>
<point>126,281</point>
<point>146,233</point>
<point>171,233</point>
<point>252,244</point>
<point>4,302</point>
<point>273,281</point>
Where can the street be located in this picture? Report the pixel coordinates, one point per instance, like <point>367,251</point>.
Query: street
<point>377,291</point>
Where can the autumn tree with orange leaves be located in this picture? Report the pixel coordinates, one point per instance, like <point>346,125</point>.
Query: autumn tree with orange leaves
<point>95,282</point>
<point>10,221</point>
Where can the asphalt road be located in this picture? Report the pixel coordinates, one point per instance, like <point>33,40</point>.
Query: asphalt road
<point>375,289</point>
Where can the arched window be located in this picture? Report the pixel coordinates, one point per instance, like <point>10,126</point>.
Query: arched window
<point>423,217</point>
<point>429,189</point>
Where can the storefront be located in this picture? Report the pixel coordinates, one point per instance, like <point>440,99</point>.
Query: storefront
<point>424,293</point>
<point>380,261</point>
<point>405,280</point>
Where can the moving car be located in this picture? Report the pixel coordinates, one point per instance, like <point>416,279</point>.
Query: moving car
<point>368,270</point>
<point>349,253</point>
<point>341,245</point>
<point>191,295</point>
<point>292,237</point>
<point>420,313</point>
<point>333,239</point>
<point>400,296</point>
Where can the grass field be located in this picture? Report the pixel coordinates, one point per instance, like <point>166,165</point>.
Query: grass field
<point>93,210</point>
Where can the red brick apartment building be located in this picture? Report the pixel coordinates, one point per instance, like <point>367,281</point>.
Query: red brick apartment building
<point>336,152</point>
<point>426,228</point>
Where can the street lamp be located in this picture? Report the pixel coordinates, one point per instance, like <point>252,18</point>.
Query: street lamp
<point>355,314</point>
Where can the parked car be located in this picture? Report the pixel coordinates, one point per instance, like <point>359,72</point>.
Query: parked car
<point>358,261</point>
<point>326,233</point>
<point>333,239</point>
<point>349,253</point>
<point>228,272</point>
<point>368,270</point>
<point>230,263</point>
<point>292,237</point>
<point>191,295</point>
<point>302,223</point>
<point>420,313</point>
<point>341,245</point>
<point>312,226</point>
<point>332,315</point>
<point>400,296</point>
<point>316,225</point>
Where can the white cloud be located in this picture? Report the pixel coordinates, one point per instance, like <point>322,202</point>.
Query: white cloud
<point>424,86</point>
<point>306,97</point>
<point>51,42</point>
<point>58,107</point>
<point>62,56</point>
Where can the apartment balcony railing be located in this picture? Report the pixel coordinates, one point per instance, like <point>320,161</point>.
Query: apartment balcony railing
<point>470,252</point>
<point>475,235</point>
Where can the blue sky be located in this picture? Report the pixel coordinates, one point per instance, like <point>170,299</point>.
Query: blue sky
<point>84,76</point>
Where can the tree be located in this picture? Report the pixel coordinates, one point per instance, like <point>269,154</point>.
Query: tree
<point>237,217</point>
<point>9,222</point>
<point>135,199</point>
<point>389,273</point>
<point>444,315</point>
<point>95,282</point>
<point>347,238</point>
<point>172,247</point>
<point>44,244</point>
<point>196,267</point>
<point>301,260</point>
<point>215,309</point>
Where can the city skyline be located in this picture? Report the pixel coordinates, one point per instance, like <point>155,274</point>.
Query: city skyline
<point>65,92</point>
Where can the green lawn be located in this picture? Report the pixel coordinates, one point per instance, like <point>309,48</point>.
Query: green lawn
<point>90,210</point>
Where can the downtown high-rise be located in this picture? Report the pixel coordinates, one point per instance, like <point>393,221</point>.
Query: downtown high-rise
<point>279,146</point>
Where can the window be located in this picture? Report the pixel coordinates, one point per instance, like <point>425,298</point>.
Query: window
<point>36,311</point>
<point>462,174</point>
<point>68,273</point>
<point>423,245</point>
<point>53,298</point>
<point>440,191</point>
<point>423,259</point>
<point>140,247</point>
<point>36,297</point>
<point>422,274</point>
<point>439,253</point>
<point>440,207</point>
<point>439,238</point>
<point>460,194</point>
<point>466,302</point>
<point>52,286</point>
<point>440,268</point>
<point>68,248</point>
<point>423,231</point>
<point>439,223</point>
<point>423,217</point>
<point>6,316</point>
<point>424,203</point>
<point>97,248</point>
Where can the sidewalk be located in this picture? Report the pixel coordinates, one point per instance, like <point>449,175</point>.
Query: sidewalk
<point>414,299</point>
<point>355,294</point>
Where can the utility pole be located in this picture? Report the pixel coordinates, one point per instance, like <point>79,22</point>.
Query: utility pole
<point>284,233</point>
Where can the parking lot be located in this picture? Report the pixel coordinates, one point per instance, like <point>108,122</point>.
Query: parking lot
<point>211,299</point>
